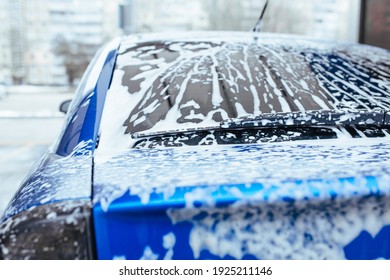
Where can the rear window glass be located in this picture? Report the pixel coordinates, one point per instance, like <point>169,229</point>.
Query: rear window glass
<point>162,85</point>
<point>203,83</point>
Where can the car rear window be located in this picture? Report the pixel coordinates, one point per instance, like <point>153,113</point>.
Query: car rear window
<point>162,85</point>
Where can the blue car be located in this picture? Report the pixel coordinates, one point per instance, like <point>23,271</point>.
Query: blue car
<point>215,146</point>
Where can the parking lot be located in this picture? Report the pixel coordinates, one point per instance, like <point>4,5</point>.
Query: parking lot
<point>29,123</point>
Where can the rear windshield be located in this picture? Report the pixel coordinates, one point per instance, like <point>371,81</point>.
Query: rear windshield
<point>163,85</point>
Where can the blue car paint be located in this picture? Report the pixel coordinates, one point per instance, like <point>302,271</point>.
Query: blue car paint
<point>52,181</point>
<point>84,123</point>
<point>116,237</point>
<point>367,247</point>
<point>55,172</point>
<point>297,199</point>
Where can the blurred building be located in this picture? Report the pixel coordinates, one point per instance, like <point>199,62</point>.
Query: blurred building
<point>325,19</point>
<point>335,19</point>
<point>89,23</point>
<point>5,45</point>
<point>32,30</point>
<point>16,38</point>
<point>27,36</point>
<point>328,19</point>
<point>138,16</point>
<point>37,46</point>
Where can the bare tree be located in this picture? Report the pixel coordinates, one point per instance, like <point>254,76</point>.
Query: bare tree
<point>281,15</point>
<point>75,56</point>
<point>223,14</point>
<point>292,17</point>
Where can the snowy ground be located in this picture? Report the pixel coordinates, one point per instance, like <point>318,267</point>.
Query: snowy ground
<point>29,123</point>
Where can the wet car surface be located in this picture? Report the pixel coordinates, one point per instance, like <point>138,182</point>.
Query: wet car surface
<point>216,146</point>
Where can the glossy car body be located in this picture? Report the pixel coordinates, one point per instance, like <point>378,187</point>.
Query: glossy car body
<point>215,146</point>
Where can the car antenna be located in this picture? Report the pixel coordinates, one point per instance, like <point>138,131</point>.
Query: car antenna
<point>259,22</point>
